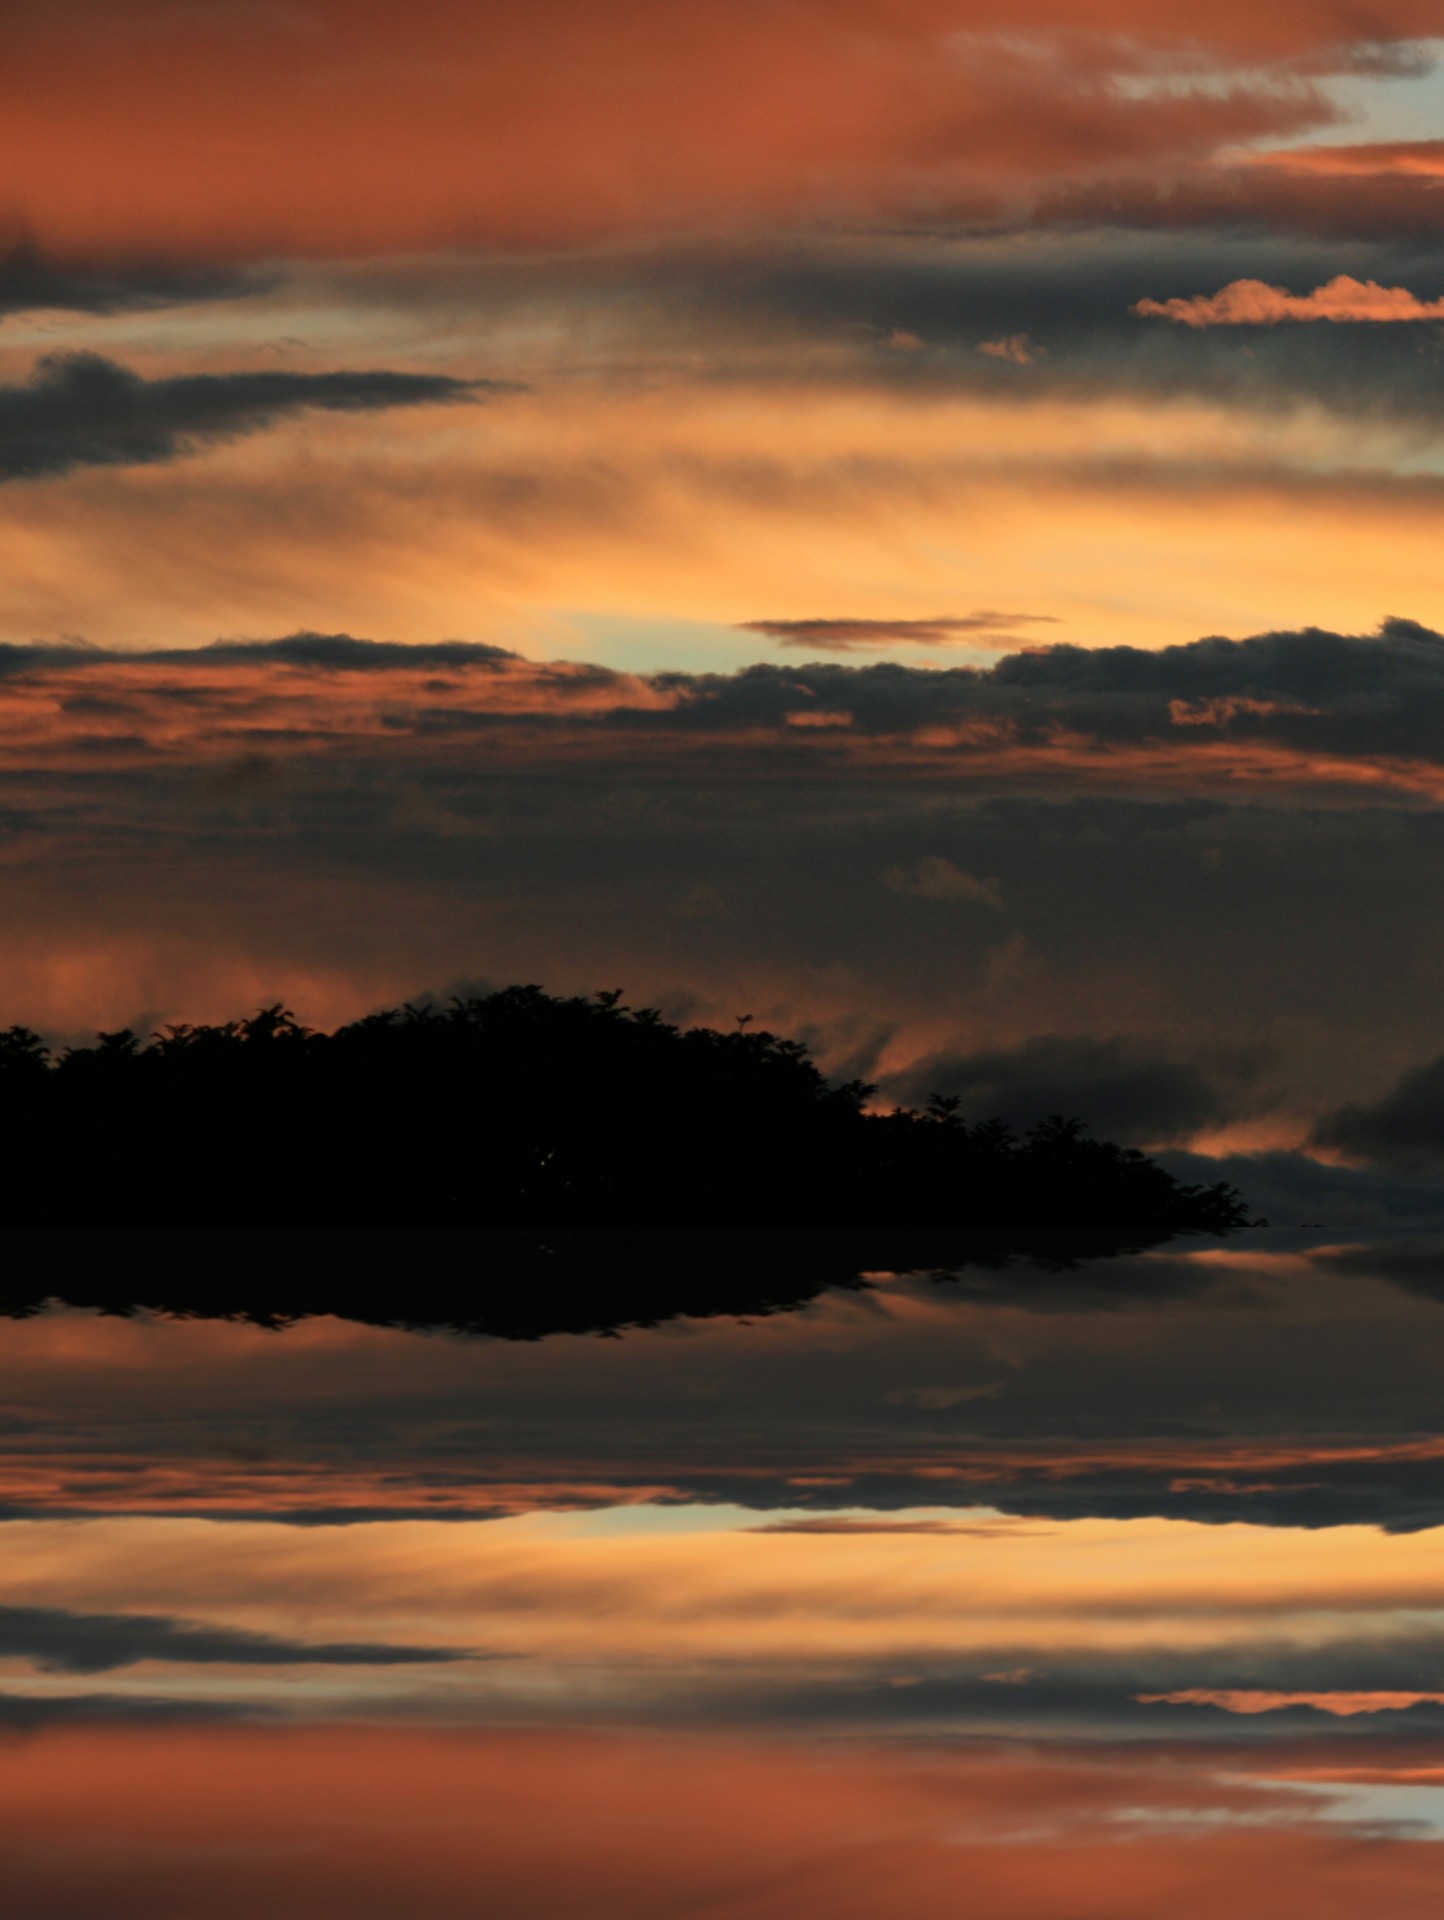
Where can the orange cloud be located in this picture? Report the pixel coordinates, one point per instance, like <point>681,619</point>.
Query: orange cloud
<point>1409,159</point>
<point>364,128</point>
<point>1254,303</point>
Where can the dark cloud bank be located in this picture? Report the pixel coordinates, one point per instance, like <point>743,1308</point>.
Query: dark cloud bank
<point>1132,861</point>
<point>1132,1090</point>
<point>31,281</point>
<point>1311,690</point>
<point>1404,1129</point>
<point>82,410</point>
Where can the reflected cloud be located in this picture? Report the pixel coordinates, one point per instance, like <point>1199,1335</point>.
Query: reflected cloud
<point>297,1821</point>
<point>63,1642</point>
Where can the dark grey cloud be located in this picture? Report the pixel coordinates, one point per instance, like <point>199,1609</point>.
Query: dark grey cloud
<point>338,652</point>
<point>1403,660</point>
<point>1395,1495</point>
<point>1307,1201</point>
<point>1306,688</point>
<point>852,636</point>
<point>63,1642</point>
<point>345,654</point>
<point>31,280</point>
<point>1131,1090</point>
<point>80,409</point>
<point>1405,1128</point>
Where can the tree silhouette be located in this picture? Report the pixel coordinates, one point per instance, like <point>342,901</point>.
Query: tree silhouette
<point>520,1162</point>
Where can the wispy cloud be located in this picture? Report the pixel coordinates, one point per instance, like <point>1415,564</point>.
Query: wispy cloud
<point>1420,159</point>
<point>839,635</point>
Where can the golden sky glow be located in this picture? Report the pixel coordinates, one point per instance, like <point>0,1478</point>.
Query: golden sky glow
<point>685,505</point>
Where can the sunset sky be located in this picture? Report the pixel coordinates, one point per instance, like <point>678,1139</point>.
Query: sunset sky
<point>917,520</point>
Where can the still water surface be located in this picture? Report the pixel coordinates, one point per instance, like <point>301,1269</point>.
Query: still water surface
<point>1075,1597</point>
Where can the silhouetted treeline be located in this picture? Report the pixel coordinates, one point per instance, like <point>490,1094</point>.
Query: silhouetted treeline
<point>466,1159</point>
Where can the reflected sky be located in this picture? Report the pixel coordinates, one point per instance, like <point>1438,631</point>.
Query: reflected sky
<point>374,1823</point>
<point>1114,1591</point>
<point>1294,1388</point>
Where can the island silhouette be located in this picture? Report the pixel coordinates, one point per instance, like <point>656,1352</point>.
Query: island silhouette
<point>517,1163</point>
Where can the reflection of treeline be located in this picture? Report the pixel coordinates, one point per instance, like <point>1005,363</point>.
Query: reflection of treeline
<point>532,1126</point>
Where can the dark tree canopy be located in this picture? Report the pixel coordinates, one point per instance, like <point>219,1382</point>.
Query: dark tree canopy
<point>518,1162</point>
